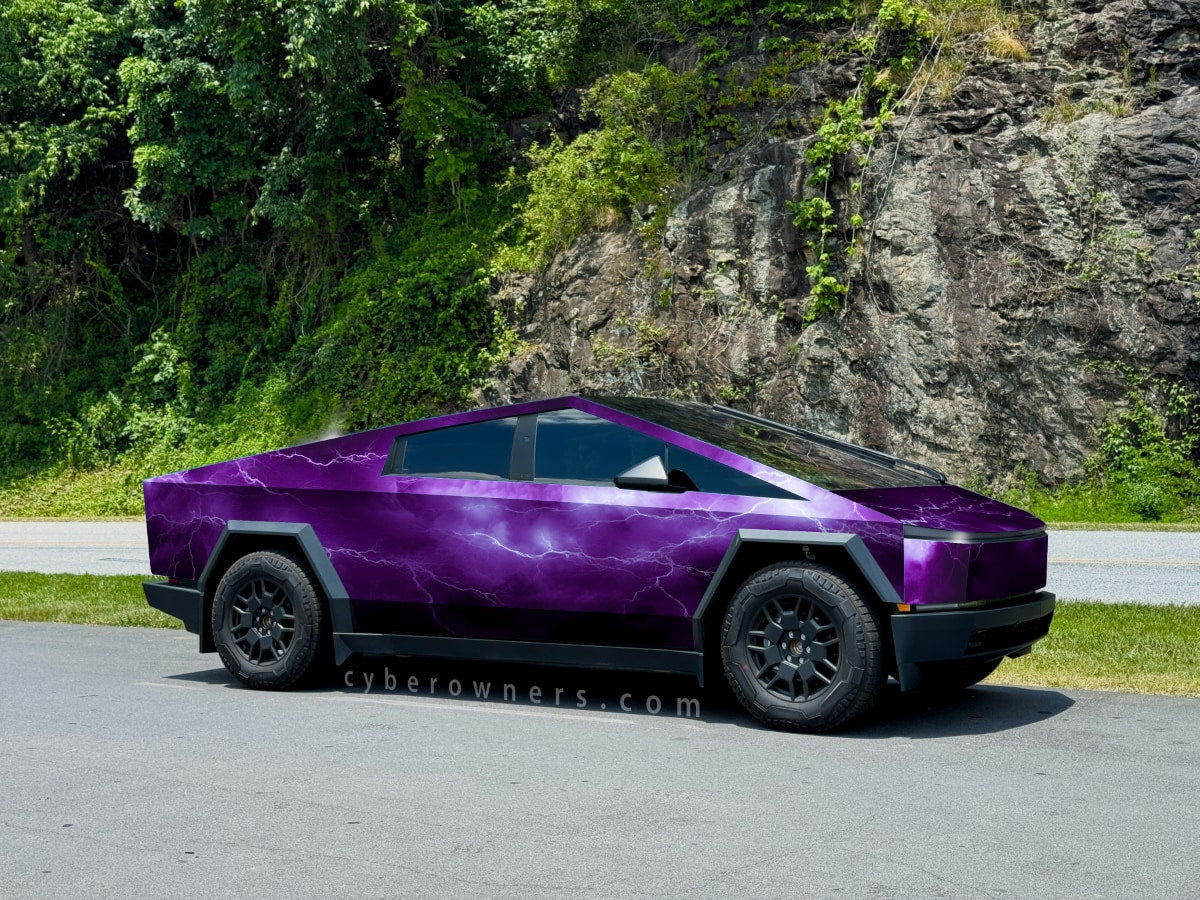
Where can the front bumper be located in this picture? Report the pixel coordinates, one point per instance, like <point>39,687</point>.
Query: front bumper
<point>962,634</point>
<point>183,601</point>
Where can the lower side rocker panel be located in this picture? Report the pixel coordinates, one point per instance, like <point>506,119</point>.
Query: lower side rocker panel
<point>644,659</point>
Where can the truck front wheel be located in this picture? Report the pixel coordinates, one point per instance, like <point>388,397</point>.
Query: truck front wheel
<point>802,648</point>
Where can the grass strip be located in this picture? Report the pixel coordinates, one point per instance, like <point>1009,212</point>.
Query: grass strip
<point>1124,526</point>
<point>1095,646</point>
<point>79,600</point>
<point>1127,647</point>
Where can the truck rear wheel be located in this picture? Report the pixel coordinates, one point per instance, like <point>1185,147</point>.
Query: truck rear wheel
<point>268,620</point>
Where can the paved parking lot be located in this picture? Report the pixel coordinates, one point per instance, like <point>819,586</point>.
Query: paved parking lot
<point>130,766</point>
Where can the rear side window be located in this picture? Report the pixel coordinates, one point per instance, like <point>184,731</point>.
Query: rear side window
<point>574,447</point>
<point>480,450</point>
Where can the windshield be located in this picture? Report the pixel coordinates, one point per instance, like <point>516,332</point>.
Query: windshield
<point>813,458</point>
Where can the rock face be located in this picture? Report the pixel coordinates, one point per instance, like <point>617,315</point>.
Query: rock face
<point>1024,237</point>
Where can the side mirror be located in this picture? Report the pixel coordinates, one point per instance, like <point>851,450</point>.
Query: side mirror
<point>648,475</point>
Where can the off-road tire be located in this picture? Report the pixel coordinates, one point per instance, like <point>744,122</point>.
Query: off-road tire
<point>803,648</point>
<point>268,621</point>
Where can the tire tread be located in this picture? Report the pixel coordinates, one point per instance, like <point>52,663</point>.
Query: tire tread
<point>868,636</point>
<point>301,666</point>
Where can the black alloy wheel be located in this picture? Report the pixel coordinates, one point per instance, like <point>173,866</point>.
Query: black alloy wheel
<point>802,648</point>
<point>268,621</point>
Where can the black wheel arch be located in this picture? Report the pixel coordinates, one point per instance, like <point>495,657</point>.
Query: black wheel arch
<point>240,537</point>
<point>754,549</point>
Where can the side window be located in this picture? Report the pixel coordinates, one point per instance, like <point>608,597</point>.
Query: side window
<point>713,477</point>
<point>574,447</point>
<point>480,450</point>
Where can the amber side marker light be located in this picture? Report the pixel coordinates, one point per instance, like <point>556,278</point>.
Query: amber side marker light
<point>903,607</point>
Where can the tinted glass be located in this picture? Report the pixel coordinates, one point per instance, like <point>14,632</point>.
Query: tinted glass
<point>481,450</point>
<point>830,467</point>
<point>715,478</point>
<point>574,447</point>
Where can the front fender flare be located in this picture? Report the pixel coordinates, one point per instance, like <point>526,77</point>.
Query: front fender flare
<point>851,544</point>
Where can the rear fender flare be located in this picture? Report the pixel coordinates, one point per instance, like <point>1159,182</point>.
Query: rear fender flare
<point>240,537</point>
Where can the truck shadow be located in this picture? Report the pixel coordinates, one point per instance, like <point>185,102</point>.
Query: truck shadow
<point>982,709</point>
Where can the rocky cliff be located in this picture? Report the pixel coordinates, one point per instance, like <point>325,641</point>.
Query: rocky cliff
<point>1029,227</point>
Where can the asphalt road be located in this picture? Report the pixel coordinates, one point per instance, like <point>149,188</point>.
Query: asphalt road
<point>130,766</point>
<point>98,548</point>
<point>1114,566</point>
<point>1126,566</point>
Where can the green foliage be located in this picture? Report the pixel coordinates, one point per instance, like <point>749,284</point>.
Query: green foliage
<point>241,160</point>
<point>1149,451</point>
<point>842,129</point>
<point>455,134</point>
<point>839,130</point>
<point>903,16</point>
<point>292,218</point>
<point>584,34</point>
<point>718,12</point>
<point>507,51</point>
<point>263,106</point>
<point>646,125</point>
<point>59,103</point>
<point>740,14</point>
<point>1147,467</point>
<point>815,214</point>
<point>902,30</point>
<point>79,599</point>
<point>648,134</point>
<point>896,40</point>
<point>659,104</point>
<point>64,304</point>
<point>589,183</point>
<point>412,334</point>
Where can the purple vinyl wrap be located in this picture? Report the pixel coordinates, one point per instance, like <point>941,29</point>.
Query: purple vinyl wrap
<point>454,545</point>
<point>955,570</point>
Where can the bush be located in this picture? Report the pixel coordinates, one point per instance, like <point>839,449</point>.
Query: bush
<point>590,183</point>
<point>413,332</point>
<point>1146,467</point>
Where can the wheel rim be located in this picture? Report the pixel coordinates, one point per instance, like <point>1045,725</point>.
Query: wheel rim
<point>794,647</point>
<point>262,621</point>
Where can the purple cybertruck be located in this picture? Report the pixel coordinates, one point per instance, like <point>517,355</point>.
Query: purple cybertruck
<point>622,533</point>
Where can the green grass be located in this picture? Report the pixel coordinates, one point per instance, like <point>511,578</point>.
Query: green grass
<point>66,494</point>
<point>1096,646</point>
<point>1114,647</point>
<point>1124,526</point>
<point>1155,502</point>
<point>79,599</point>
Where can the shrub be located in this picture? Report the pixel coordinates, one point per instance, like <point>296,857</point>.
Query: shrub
<point>590,183</point>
